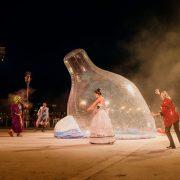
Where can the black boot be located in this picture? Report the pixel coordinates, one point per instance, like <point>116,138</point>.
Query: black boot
<point>35,129</point>
<point>171,147</point>
<point>19,135</point>
<point>43,129</point>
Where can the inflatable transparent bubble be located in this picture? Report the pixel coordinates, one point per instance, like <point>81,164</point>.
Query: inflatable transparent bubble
<point>129,113</point>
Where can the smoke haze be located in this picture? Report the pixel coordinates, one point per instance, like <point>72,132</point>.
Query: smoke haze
<point>156,53</point>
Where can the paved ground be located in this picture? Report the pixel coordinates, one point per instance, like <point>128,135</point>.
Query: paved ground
<point>39,155</point>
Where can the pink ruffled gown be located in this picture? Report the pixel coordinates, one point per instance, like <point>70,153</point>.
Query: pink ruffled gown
<point>101,130</point>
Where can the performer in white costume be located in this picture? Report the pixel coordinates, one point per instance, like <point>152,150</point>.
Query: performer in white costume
<point>101,130</point>
<point>43,116</point>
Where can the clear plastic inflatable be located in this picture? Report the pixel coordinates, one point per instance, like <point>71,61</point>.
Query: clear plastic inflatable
<point>129,113</point>
<point>67,128</point>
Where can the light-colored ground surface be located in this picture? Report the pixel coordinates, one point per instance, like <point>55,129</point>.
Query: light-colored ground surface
<point>39,155</point>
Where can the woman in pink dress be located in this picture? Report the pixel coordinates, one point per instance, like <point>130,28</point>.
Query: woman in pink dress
<point>101,130</point>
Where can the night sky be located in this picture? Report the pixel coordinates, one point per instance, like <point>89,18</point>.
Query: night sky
<point>38,35</point>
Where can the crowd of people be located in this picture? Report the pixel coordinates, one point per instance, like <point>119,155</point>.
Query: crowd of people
<point>18,116</point>
<point>37,117</point>
<point>101,129</point>
<point>5,119</point>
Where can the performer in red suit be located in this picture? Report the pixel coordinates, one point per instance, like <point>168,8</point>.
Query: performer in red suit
<point>170,116</point>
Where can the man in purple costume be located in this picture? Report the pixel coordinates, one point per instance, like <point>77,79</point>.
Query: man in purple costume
<point>17,119</point>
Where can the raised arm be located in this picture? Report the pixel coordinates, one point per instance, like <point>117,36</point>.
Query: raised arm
<point>94,104</point>
<point>38,113</point>
<point>157,91</point>
<point>156,114</point>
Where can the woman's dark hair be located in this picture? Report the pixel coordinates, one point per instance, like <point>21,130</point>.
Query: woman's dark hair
<point>98,91</point>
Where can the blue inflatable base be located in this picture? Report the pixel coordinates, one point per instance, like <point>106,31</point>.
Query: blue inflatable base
<point>73,133</point>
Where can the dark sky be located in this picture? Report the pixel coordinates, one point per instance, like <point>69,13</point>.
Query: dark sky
<point>38,35</point>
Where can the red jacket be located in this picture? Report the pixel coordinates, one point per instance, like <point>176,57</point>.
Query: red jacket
<point>170,116</point>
